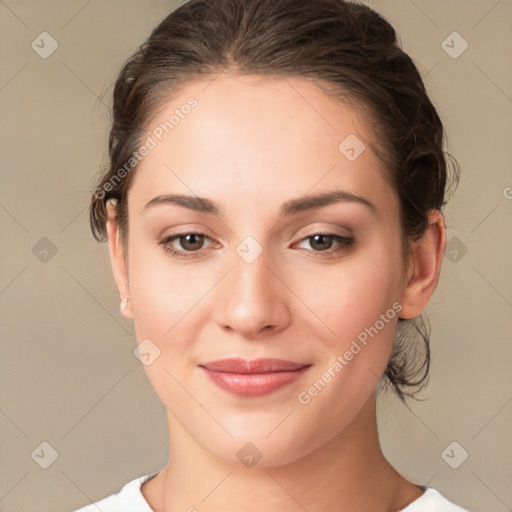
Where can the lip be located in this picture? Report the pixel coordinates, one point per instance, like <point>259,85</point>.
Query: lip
<point>256,377</point>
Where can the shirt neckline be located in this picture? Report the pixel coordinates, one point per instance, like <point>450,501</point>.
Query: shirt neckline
<point>427,491</point>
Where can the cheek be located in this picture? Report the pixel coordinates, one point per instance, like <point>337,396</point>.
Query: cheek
<point>166,302</point>
<point>361,308</point>
<point>351,296</point>
<point>358,302</point>
<point>164,294</point>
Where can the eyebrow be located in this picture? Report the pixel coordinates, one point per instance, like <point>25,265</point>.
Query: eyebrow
<point>290,207</point>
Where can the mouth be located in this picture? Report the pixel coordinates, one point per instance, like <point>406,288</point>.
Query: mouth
<point>253,378</point>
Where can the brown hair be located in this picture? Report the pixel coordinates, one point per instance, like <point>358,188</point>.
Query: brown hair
<point>349,50</point>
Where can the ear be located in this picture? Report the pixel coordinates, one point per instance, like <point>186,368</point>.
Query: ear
<point>425,267</point>
<point>117,257</point>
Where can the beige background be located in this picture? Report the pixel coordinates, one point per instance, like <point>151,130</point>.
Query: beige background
<point>68,373</point>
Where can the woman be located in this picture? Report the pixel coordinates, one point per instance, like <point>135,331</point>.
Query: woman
<point>273,213</point>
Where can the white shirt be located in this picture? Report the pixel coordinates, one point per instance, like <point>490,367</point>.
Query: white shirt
<point>130,499</point>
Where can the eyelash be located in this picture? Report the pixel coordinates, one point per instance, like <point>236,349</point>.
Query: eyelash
<point>345,243</point>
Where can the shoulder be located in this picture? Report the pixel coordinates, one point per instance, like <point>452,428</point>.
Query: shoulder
<point>128,499</point>
<point>432,501</point>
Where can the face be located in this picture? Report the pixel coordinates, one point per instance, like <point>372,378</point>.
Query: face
<point>318,286</point>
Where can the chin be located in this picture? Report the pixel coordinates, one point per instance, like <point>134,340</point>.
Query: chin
<point>261,447</point>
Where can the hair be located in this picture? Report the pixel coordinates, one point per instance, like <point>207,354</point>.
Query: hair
<point>348,50</point>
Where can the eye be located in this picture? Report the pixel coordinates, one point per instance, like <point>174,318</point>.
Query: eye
<point>190,243</point>
<point>323,242</point>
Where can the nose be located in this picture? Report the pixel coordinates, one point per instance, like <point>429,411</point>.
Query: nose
<point>252,300</point>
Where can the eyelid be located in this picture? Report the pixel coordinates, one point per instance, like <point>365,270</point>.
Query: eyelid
<point>325,229</point>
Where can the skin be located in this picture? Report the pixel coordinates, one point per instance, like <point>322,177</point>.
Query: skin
<point>251,145</point>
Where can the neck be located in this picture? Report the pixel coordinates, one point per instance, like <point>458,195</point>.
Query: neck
<point>347,473</point>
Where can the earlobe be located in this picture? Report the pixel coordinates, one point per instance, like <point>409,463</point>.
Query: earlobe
<point>425,267</point>
<point>117,258</point>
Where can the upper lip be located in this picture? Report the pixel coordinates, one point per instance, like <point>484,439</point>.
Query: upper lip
<point>238,365</point>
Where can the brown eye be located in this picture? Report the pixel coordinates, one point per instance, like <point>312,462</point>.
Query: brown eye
<point>321,242</point>
<point>180,245</point>
<point>192,241</point>
<point>324,242</point>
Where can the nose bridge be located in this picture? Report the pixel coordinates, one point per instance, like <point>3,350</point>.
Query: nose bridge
<point>251,297</point>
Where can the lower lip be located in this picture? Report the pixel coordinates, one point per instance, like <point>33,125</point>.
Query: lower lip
<point>254,384</point>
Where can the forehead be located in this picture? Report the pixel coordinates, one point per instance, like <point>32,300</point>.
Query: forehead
<point>256,138</point>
